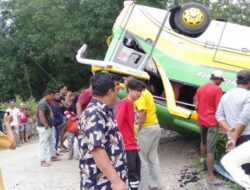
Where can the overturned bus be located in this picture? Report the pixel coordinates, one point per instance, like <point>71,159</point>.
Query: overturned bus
<point>174,51</point>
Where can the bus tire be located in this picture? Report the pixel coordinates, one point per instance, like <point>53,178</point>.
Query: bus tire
<point>191,19</point>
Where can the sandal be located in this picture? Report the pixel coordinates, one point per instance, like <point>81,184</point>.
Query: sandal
<point>55,158</point>
<point>215,182</point>
<point>63,150</point>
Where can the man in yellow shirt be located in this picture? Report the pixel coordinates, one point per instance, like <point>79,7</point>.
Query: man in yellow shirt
<point>148,140</point>
<point>6,141</point>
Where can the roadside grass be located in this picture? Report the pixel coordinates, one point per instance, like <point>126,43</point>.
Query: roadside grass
<point>200,163</point>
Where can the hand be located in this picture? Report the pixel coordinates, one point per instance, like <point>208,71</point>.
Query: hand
<point>77,120</point>
<point>230,145</point>
<point>8,119</point>
<point>119,185</point>
<point>231,131</point>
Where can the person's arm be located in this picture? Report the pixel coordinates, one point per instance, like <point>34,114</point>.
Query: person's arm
<point>27,114</point>
<point>196,103</point>
<point>78,109</point>
<point>82,102</point>
<point>196,100</point>
<point>103,163</point>
<point>141,105</point>
<point>9,132</point>
<point>141,118</point>
<point>224,125</point>
<point>120,114</point>
<point>218,97</point>
<point>243,121</point>
<point>220,117</point>
<point>236,134</point>
<point>19,118</point>
<point>43,120</point>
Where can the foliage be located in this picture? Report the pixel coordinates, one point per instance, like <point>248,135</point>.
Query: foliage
<point>38,46</point>
<point>221,144</point>
<point>39,39</point>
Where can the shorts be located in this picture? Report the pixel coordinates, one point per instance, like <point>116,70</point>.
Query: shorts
<point>209,138</point>
<point>23,127</point>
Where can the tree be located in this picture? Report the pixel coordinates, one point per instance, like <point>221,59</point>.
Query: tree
<point>38,48</point>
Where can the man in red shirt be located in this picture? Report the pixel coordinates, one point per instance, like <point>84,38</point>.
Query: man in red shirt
<point>83,100</point>
<point>125,116</point>
<point>207,99</point>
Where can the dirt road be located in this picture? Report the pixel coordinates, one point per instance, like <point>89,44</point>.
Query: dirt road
<point>178,157</point>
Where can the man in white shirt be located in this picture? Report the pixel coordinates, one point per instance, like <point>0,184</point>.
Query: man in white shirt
<point>233,114</point>
<point>15,114</point>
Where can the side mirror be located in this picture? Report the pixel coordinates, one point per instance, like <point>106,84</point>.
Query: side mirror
<point>82,52</point>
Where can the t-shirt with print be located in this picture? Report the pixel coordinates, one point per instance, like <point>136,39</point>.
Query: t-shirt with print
<point>15,113</point>
<point>98,129</point>
<point>146,102</point>
<point>44,106</point>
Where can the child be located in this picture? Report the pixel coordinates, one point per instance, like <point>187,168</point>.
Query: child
<point>125,117</point>
<point>71,132</point>
<point>24,118</point>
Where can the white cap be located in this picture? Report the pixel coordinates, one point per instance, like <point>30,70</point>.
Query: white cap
<point>218,74</point>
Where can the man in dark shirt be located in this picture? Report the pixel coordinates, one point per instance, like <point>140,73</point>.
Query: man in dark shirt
<point>57,110</point>
<point>103,161</point>
<point>45,128</point>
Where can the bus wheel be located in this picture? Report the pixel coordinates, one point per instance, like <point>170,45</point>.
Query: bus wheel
<point>191,19</point>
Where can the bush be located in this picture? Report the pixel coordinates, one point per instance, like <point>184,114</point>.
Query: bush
<point>221,144</point>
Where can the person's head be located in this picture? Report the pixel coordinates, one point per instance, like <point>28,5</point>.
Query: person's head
<point>217,77</point>
<point>117,78</point>
<point>69,96</point>
<point>127,80</point>
<point>63,90</point>
<point>22,105</point>
<point>134,88</point>
<point>57,96</point>
<point>49,94</point>
<point>243,78</point>
<point>104,88</point>
<point>12,103</point>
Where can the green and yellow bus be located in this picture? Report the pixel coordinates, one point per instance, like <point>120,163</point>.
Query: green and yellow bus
<point>174,51</point>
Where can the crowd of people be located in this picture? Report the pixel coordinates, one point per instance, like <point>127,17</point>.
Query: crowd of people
<point>110,154</point>
<point>112,151</point>
<point>118,139</point>
<point>20,122</point>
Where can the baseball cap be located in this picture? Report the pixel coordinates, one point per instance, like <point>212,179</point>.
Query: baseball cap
<point>217,74</point>
<point>243,76</point>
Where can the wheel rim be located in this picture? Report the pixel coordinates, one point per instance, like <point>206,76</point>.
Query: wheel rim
<point>193,17</point>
